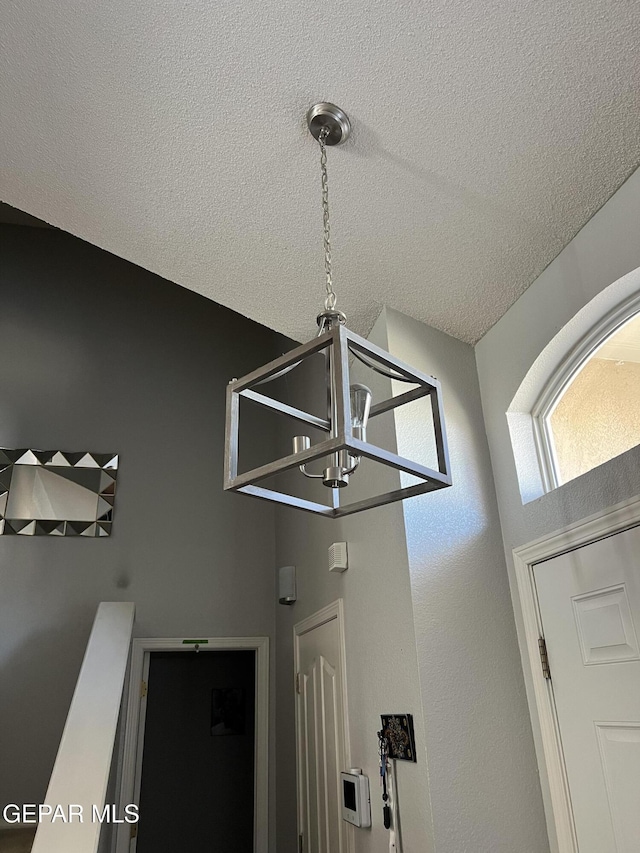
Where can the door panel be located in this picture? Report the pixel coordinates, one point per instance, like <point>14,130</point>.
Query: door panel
<point>331,758</point>
<point>620,754</point>
<point>321,741</point>
<point>590,609</point>
<point>605,626</point>
<point>312,764</point>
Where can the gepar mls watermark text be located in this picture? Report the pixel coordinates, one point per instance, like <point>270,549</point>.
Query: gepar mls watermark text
<point>69,813</point>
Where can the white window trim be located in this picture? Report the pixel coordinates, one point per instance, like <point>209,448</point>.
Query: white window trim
<point>573,363</point>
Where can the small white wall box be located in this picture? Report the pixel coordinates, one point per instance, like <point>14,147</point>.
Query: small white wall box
<point>338,558</point>
<point>287,585</point>
<point>356,803</point>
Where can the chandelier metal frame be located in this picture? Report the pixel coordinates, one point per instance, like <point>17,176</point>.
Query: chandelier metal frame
<point>344,445</point>
<point>339,343</point>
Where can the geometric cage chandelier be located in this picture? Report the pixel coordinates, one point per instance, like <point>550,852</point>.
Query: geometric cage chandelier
<point>340,430</point>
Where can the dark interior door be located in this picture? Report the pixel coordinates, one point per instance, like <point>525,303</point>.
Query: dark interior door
<point>197,786</point>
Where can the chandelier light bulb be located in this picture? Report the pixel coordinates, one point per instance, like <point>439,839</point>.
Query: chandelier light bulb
<point>360,409</point>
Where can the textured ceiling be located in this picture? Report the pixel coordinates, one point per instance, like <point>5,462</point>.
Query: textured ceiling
<point>172,134</point>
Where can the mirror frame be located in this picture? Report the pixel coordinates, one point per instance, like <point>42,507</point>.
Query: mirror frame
<point>106,462</point>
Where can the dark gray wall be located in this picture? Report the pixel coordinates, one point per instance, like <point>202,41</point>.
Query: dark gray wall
<point>97,354</point>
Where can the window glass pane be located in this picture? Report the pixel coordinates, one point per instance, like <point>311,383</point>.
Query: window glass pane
<point>598,416</point>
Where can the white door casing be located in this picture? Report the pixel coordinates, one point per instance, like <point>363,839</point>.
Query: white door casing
<point>134,727</point>
<point>322,737</point>
<point>589,601</point>
<point>142,720</point>
<point>553,771</point>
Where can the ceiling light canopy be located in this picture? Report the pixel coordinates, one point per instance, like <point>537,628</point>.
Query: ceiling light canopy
<point>337,436</point>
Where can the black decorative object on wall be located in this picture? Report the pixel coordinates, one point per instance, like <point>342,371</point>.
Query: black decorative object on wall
<point>397,729</point>
<point>227,711</point>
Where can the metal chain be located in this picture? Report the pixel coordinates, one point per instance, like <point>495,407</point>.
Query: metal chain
<point>330,301</point>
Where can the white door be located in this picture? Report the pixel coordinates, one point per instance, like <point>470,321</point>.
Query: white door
<point>321,733</point>
<point>590,609</point>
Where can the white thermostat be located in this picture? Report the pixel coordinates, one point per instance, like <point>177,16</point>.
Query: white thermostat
<point>356,804</point>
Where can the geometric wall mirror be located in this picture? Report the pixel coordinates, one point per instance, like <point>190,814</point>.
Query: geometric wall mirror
<point>55,493</point>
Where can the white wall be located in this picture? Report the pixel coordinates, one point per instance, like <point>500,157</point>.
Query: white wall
<point>429,630</point>
<point>382,673</point>
<point>484,788</point>
<point>606,251</point>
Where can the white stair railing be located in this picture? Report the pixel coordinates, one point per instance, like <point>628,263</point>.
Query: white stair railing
<point>81,770</point>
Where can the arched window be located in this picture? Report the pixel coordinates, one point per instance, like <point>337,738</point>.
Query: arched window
<point>590,410</point>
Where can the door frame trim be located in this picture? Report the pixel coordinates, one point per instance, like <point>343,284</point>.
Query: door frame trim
<point>542,707</point>
<point>140,648</point>
<point>335,610</point>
